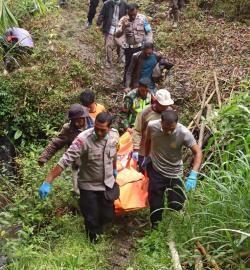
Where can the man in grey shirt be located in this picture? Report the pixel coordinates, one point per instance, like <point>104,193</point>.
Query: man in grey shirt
<point>163,160</point>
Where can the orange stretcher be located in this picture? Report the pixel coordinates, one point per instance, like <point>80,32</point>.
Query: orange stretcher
<point>133,185</point>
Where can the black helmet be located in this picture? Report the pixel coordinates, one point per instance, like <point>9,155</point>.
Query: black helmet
<point>77,111</point>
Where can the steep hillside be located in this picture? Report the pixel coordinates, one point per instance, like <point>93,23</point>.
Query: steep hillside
<point>68,58</point>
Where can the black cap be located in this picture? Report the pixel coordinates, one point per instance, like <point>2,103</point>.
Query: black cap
<point>77,111</point>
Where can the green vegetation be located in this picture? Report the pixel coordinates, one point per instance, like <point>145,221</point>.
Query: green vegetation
<point>49,234</point>
<point>6,17</point>
<point>217,213</point>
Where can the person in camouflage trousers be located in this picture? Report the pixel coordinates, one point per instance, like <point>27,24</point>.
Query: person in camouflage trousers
<point>133,103</point>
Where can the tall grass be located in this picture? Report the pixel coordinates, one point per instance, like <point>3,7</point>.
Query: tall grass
<point>217,213</point>
<point>11,11</point>
<point>7,19</point>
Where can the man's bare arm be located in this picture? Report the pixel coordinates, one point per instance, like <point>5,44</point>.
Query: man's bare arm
<point>54,173</point>
<point>197,157</point>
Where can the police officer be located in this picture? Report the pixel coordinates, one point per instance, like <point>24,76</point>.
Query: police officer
<point>137,30</point>
<point>97,148</point>
<point>134,102</point>
<point>79,121</point>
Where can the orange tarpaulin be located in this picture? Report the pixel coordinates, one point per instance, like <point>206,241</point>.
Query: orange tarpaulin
<point>133,185</point>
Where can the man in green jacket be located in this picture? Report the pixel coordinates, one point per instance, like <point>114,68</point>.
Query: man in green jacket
<point>134,102</point>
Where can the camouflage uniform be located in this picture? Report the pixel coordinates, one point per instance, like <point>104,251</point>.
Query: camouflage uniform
<point>136,33</point>
<point>133,104</point>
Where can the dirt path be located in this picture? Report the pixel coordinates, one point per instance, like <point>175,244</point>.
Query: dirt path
<point>90,49</point>
<point>127,228</point>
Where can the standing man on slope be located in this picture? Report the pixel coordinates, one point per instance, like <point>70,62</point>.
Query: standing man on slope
<point>176,8</point>
<point>93,4</point>
<point>163,161</point>
<point>112,11</point>
<point>97,148</point>
<point>137,30</point>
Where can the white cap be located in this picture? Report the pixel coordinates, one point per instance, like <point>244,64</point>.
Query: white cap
<point>163,97</point>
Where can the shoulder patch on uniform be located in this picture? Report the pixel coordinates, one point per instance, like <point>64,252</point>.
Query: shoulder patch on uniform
<point>78,143</point>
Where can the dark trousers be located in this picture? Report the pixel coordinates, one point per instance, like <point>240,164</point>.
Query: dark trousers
<point>96,211</point>
<point>128,52</point>
<point>177,6</point>
<point>93,4</point>
<point>140,160</point>
<point>158,187</point>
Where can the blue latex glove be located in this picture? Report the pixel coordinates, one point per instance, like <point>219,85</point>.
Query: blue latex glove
<point>115,173</point>
<point>147,27</point>
<point>135,155</point>
<point>44,190</point>
<point>145,162</point>
<point>191,180</point>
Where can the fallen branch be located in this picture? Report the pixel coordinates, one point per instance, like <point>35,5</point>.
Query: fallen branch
<point>200,111</point>
<point>202,104</point>
<point>208,257</point>
<point>197,120</point>
<point>175,255</point>
<point>203,125</point>
<point>217,89</point>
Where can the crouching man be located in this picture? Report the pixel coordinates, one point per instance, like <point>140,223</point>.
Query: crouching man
<point>97,148</point>
<point>16,43</point>
<point>163,159</point>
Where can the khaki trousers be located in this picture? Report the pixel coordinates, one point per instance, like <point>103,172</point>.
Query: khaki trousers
<point>111,43</point>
